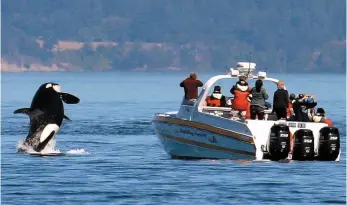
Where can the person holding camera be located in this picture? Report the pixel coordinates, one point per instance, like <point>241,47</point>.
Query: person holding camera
<point>303,108</point>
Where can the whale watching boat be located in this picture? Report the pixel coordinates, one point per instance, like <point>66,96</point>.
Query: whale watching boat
<point>199,131</point>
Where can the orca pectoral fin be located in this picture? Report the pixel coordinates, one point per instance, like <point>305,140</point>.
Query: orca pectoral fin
<point>69,99</point>
<point>26,111</point>
<point>66,118</point>
<point>43,144</point>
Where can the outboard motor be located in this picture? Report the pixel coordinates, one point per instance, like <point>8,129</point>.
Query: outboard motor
<point>303,145</point>
<point>329,144</point>
<point>279,142</point>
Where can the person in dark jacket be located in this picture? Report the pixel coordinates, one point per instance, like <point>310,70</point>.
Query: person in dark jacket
<point>190,86</point>
<point>280,101</point>
<point>297,103</point>
<point>258,96</point>
<point>303,108</point>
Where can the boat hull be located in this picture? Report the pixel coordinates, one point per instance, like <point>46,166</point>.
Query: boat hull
<point>184,139</point>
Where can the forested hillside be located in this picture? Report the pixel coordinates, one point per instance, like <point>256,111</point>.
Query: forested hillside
<point>201,35</point>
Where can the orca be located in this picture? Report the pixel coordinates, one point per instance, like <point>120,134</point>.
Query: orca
<point>46,115</point>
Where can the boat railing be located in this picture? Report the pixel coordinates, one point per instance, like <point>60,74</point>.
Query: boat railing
<point>226,109</point>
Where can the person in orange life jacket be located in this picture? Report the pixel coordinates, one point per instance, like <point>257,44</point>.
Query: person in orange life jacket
<point>290,111</point>
<point>241,92</point>
<point>320,117</point>
<point>217,99</point>
<point>258,96</point>
<point>190,86</point>
<point>280,101</point>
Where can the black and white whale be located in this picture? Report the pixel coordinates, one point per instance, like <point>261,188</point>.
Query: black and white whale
<point>46,115</point>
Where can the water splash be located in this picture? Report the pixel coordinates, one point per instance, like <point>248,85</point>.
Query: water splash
<point>49,149</point>
<point>77,152</point>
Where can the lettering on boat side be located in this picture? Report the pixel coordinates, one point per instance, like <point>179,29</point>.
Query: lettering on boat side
<point>294,124</point>
<point>301,125</point>
<point>200,134</point>
<point>291,124</point>
<point>190,132</point>
<point>185,131</point>
<point>212,140</point>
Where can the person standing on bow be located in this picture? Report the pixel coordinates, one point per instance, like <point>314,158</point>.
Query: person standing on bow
<point>190,86</point>
<point>280,101</point>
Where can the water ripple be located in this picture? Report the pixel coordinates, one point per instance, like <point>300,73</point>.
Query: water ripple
<point>126,164</point>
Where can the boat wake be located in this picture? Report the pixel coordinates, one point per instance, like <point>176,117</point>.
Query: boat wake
<point>50,150</point>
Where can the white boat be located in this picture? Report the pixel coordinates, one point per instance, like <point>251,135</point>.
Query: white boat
<point>199,131</point>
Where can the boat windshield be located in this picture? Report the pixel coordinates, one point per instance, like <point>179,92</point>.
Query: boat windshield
<point>227,84</point>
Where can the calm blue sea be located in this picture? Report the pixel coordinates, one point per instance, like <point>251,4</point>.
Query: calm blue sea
<point>114,156</point>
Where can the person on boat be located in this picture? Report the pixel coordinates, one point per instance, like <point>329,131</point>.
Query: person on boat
<point>297,104</point>
<point>241,103</point>
<point>190,86</point>
<point>258,96</point>
<point>308,106</point>
<point>280,101</point>
<point>290,111</point>
<point>320,117</point>
<point>217,99</point>
<point>303,108</point>
<point>242,78</point>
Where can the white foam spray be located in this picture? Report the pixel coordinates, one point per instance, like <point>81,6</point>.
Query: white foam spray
<point>49,149</point>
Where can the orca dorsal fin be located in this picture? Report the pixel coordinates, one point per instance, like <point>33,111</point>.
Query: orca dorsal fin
<point>69,98</point>
<point>66,118</point>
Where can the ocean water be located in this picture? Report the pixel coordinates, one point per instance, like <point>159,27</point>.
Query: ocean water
<point>114,157</point>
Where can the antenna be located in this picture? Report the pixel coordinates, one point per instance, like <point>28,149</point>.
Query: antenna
<point>249,67</point>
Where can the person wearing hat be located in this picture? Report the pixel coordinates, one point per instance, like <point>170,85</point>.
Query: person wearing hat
<point>320,117</point>
<point>190,86</point>
<point>217,99</point>
<point>308,106</point>
<point>299,109</point>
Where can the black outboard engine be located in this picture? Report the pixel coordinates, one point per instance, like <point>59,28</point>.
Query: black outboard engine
<point>279,142</point>
<point>329,144</point>
<point>303,145</point>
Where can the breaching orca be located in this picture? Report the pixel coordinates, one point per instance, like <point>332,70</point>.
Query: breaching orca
<point>46,115</point>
